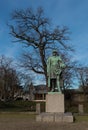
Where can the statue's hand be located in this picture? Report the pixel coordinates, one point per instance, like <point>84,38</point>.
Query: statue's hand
<point>47,75</point>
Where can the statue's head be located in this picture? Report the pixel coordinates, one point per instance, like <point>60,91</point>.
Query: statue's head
<point>54,53</point>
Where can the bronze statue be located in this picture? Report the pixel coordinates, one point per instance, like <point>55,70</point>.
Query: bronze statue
<point>54,69</point>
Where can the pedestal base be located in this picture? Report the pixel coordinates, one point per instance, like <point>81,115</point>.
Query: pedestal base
<point>55,117</point>
<point>55,109</point>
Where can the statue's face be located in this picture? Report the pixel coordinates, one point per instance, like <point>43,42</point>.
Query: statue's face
<point>54,53</point>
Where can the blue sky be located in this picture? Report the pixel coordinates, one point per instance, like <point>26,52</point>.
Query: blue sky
<point>71,13</point>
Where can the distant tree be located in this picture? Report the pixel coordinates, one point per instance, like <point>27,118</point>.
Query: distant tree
<point>9,81</point>
<point>35,31</point>
<point>25,79</point>
<point>82,75</point>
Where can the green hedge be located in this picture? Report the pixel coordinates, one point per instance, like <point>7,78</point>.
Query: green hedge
<point>20,105</point>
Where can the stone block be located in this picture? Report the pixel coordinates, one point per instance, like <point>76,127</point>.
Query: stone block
<point>48,117</point>
<point>80,108</point>
<point>68,117</point>
<point>38,118</point>
<point>58,117</point>
<point>55,103</point>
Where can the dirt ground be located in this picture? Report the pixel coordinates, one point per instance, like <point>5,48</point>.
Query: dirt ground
<point>24,122</point>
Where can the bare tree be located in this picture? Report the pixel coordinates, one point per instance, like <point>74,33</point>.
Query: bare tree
<point>68,74</point>
<point>8,78</point>
<point>35,31</point>
<point>82,75</point>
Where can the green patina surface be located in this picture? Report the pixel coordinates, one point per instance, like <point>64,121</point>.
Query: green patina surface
<point>55,66</point>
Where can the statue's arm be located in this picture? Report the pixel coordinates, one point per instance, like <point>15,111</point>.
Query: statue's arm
<point>48,67</point>
<point>62,64</point>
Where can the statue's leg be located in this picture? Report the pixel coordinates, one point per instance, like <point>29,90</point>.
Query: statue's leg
<point>52,85</point>
<point>49,85</point>
<point>58,84</point>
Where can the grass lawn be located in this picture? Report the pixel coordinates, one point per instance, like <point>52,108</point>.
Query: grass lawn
<point>81,118</point>
<point>18,115</point>
<point>26,121</point>
<point>16,120</point>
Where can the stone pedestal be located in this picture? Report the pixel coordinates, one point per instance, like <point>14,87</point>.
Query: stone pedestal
<point>55,109</point>
<point>55,103</point>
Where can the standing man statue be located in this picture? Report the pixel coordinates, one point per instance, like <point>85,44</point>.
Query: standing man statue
<point>54,69</point>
